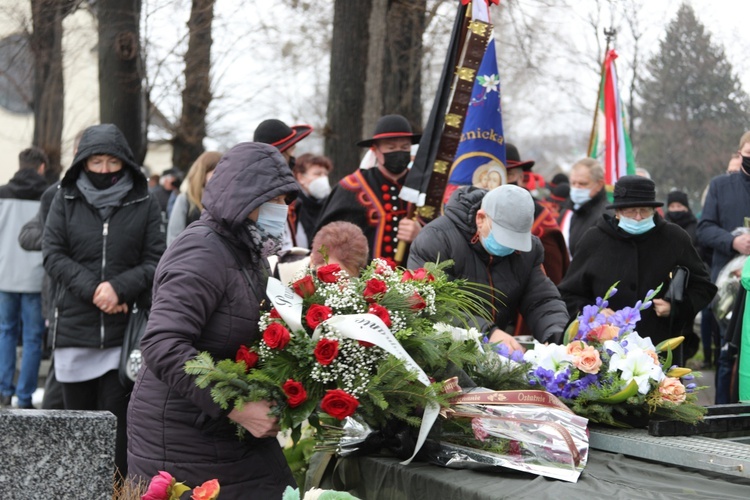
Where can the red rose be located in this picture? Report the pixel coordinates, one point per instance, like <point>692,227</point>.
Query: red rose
<point>416,302</point>
<point>274,314</point>
<point>276,336</point>
<point>407,276</point>
<point>249,357</point>
<point>327,274</point>
<point>339,404</point>
<point>364,343</point>
<point>295,393</point>
<point>373,288</point>
<point>381,312</point>
<point>317,314</point>
<point>304,287</point>
<point>326,351</point>
<point>390,262</point>
<point>423,274</point>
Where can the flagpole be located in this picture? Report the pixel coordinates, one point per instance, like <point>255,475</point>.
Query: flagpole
<point>610,35</point>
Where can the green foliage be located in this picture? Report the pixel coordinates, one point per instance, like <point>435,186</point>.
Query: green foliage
<point>693,108</point>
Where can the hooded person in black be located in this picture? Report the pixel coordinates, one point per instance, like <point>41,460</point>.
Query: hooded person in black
<point>102,241</point>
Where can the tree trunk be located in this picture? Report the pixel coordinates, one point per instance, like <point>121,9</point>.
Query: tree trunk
<point>121,99</point>
<point>46,45</point>
<point>347,85</point>
<point>378,27</point>
<point>188,140</point>
<point>402,81</point>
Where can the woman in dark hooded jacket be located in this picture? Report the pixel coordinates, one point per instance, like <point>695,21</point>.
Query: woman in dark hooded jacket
<point>101,244</point>
<point>207,294</point>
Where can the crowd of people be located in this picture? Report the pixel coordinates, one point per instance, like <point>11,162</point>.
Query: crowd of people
<point>79,255</point>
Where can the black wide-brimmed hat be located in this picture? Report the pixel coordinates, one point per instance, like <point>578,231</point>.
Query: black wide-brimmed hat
<point>389,127</point>
<point>513,158</point>
<point>279,134</point>
<point>634,191</point>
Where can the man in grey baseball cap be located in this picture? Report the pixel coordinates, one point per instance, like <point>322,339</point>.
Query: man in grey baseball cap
<point>488,237</point>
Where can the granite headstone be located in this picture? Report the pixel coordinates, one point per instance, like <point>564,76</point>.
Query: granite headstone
<point>56,454</point>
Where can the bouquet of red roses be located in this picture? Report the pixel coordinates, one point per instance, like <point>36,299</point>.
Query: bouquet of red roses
<point>339,345</point>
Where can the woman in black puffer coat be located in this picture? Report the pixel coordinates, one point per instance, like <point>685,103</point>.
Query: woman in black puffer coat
<point>203,302</point>
<point>101,244</point>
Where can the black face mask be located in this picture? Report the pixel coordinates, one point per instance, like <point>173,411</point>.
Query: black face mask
<point>292,162</point>
<point>104,180</point>
<point>678,217</point>
<point>746,164</point>
<point>396,161</point>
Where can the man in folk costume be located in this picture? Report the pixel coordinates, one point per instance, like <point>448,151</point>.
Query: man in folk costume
<point>369,198</point>
<point>545,227</point>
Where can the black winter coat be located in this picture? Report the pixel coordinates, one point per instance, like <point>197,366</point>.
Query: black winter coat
<point>25,184</point>
<point>81,250</point>
<point>202,302</point>
<point>640,263</point>
<point>518,282</point>
<point>583,219</point>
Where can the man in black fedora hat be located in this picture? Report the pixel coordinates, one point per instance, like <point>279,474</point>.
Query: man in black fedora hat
<point>369,198</point>
<point>638,249</point>
<point>282,136</point>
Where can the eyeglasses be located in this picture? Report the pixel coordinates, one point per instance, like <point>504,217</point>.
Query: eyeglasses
<point>632,212</point>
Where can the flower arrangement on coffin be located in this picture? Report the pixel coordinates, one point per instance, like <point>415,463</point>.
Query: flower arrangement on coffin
<point>327,347</point>
<point>165,487</point>
<point>605,371</point>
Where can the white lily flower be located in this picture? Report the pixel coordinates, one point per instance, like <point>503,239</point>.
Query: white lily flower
<point>639,366</point>
<point>550,357</point>
<point>635,340</point>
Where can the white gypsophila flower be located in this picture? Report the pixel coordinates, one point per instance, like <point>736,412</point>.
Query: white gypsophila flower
<point>353,366</point>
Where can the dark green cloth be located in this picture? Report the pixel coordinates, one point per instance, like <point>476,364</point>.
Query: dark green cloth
<point>607,475</point>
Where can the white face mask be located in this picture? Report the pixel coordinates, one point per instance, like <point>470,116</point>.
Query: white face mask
<point>579,196</point>
<point>320,188</point>
<point>272,218</point>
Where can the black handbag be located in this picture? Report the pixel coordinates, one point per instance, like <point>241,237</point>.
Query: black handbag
<point>131,358</point>
<point>675,294</point>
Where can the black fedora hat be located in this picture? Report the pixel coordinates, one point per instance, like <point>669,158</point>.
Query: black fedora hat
<point>634,191</point>
<point>513,158</point>
<point>279,134</point>
<point>388,127</point>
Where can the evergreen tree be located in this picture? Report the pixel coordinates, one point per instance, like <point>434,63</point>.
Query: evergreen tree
<point>693,109</point>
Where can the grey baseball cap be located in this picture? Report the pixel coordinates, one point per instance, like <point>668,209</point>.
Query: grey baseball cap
<point>511,209</point>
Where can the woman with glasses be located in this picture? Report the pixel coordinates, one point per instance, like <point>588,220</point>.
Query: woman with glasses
<point>639,249</point>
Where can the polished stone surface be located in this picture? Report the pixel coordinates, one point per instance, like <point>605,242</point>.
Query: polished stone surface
<point>56,454</point>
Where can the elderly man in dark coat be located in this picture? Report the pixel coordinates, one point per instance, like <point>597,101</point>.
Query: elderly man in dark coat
<point>207,293</point>
<point>488,237</point>
<point>638,249</point>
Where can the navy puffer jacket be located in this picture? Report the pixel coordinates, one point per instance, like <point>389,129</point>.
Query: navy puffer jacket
<point>202,302</point>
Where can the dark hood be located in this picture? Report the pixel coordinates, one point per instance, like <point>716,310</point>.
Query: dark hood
<point>26,184</point>
<point>462,208</point>
<point>104,139</point>
<point>247,176</point>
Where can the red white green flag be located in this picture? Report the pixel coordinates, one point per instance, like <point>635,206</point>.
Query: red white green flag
<point>610,142</point>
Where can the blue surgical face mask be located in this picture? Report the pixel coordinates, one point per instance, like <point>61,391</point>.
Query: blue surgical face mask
<point>579,196</point>
<point>494,248</point>
<point>633,226</point>
<point>272,218</point>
